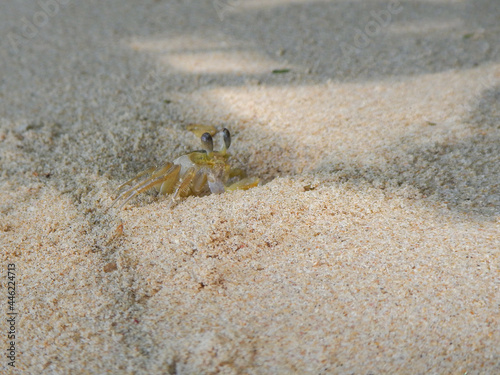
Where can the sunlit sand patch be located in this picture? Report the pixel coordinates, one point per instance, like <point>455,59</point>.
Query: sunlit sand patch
<point>197,55</point>
<point>235,5</point>
<point>220,62</point>
<point>416,26</point>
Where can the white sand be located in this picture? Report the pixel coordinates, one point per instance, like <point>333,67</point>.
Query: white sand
<point>372,246</point>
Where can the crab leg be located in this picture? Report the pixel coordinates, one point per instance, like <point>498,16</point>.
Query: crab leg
<point>149,170</point>
<point>162,170</point>
<point>157,172</point>
<point>167,187</point>
<point>199,182</point>
<point>146,186</point>
<point>245,184</point>
<point>185,184</point>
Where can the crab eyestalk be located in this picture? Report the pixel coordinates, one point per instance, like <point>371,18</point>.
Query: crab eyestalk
<point>208,143</point>
<point>226,136</point>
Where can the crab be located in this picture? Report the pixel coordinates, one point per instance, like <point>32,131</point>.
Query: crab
<point>197,173</point>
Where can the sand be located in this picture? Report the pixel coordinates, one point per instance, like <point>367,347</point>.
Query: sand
<point>371,246</point>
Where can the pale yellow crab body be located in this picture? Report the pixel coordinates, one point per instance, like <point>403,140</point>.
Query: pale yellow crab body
<point>196,173</point>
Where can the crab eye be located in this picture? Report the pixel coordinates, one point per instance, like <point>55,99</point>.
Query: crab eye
<point>207,142</point>
<point>227,138</point>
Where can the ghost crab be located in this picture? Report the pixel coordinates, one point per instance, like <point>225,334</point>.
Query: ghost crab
<point>198,173</point>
